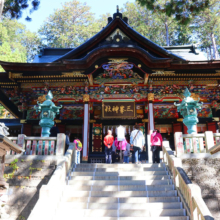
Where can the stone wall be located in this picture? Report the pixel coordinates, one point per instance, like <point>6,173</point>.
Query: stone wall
<point>204,169</point>
<point>24,184</point>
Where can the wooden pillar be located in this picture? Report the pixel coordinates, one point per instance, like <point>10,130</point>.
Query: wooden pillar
<point>85,151</point>
<point>62,128</point>
<point>27,129</point>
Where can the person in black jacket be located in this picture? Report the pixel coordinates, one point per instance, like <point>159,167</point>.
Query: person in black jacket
<point>54,131</point>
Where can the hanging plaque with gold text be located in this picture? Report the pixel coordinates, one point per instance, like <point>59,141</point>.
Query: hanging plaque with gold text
<point>118,109</point>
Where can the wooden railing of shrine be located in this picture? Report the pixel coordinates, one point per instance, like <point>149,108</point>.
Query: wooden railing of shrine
<point>195,143</point>
<point>189,193</point>
<point>40,145</point>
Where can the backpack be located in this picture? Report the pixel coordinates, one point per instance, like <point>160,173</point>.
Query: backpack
<point>78,145</point>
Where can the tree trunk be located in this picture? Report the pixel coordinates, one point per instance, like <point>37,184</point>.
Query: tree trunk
<point>207,53</point>
<point>1,7</point>
<point>215,51</point>
<point>167,33</point>
<point>210,50</point>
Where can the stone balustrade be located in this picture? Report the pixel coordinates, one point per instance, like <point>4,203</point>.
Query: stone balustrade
<point>40,145</point>
<point>195,143</point>
<point>190,193</point>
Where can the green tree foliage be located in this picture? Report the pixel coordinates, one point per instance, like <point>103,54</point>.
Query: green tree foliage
<point>32,44</point>
<point>103,21</point>
<point>69,26</point>
<point>182,10</point>
<point>11,48</point>
<point>207,26</point>
<point>16,43</point>
<point>14,8</point>
<point>157,27</point>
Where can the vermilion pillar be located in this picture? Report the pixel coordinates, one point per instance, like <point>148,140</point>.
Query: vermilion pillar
<point>85,151</point>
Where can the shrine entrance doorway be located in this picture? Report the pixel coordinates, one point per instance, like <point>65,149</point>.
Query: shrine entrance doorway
<point>100,128</point>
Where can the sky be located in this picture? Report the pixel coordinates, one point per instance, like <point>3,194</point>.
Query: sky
<point>47,7</point>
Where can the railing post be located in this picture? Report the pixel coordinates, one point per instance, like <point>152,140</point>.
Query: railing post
<point>209,140</point>
<point>178,140</point>
<point>21,141</point>
<point>188,145</point>
<point>28,147</point>
<point>34,147</point>
<point>52,147</point>
<point>201,145</point>
<point>61,141</point>
<point>195,145</point>
<point>217,138</point>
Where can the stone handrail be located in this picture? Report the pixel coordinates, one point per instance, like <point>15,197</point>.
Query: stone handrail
<point>40,145</point>
<point>51,194</point>
<point>189,193</point>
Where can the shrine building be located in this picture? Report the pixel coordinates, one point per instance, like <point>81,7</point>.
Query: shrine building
<point>118,77</point>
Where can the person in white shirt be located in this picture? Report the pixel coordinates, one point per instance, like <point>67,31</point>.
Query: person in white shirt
<point>137,142</point>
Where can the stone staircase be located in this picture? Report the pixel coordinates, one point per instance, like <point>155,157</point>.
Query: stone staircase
<point>120,192</point>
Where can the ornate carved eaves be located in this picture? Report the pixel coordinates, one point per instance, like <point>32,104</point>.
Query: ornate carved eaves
<point>146,77</point>
<point>41,99</point>
<point>86,98</point>
<point>194,96</point>
<point>150,97</point>
<point>90,78</point>
<point>74,74</point>
<point>118,60</point>
<point>15,75</point>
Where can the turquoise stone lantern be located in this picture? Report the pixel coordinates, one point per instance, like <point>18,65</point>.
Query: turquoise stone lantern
<point>188,109</point>
<point>48,112</point>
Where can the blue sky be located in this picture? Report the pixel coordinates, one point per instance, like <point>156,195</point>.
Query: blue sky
<point>47,7</point>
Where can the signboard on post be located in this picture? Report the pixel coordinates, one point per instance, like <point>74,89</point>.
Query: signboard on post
<point>118,109</point>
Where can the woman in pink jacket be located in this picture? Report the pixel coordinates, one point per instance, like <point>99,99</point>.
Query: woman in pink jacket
<point>156,145</point>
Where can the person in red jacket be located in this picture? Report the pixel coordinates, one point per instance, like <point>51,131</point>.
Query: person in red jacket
<point>156,145</point>
<point>108,141</point>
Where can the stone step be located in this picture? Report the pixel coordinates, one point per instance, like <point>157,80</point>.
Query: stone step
<point>145,173</point>
<point>123,188</point>
<point>116,182</point>
<point>139,200</point>
<point>129,218</point>
<point>152,177</point>
<point>129,206</point>
<point>103,165</point>
<point>119,213</point>
<point>121,169</point>
<point>169,193</point>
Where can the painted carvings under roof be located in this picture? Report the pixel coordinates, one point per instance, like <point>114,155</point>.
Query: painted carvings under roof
<point>120,72</point>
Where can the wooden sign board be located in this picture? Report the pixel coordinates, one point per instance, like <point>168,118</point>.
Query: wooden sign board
<point>118,109</point>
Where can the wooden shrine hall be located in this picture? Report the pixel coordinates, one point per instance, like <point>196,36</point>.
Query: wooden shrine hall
<point>118,77</point>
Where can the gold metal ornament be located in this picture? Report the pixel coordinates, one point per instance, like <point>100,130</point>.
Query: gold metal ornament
<point>150,97</point>
<point>86,98</point>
